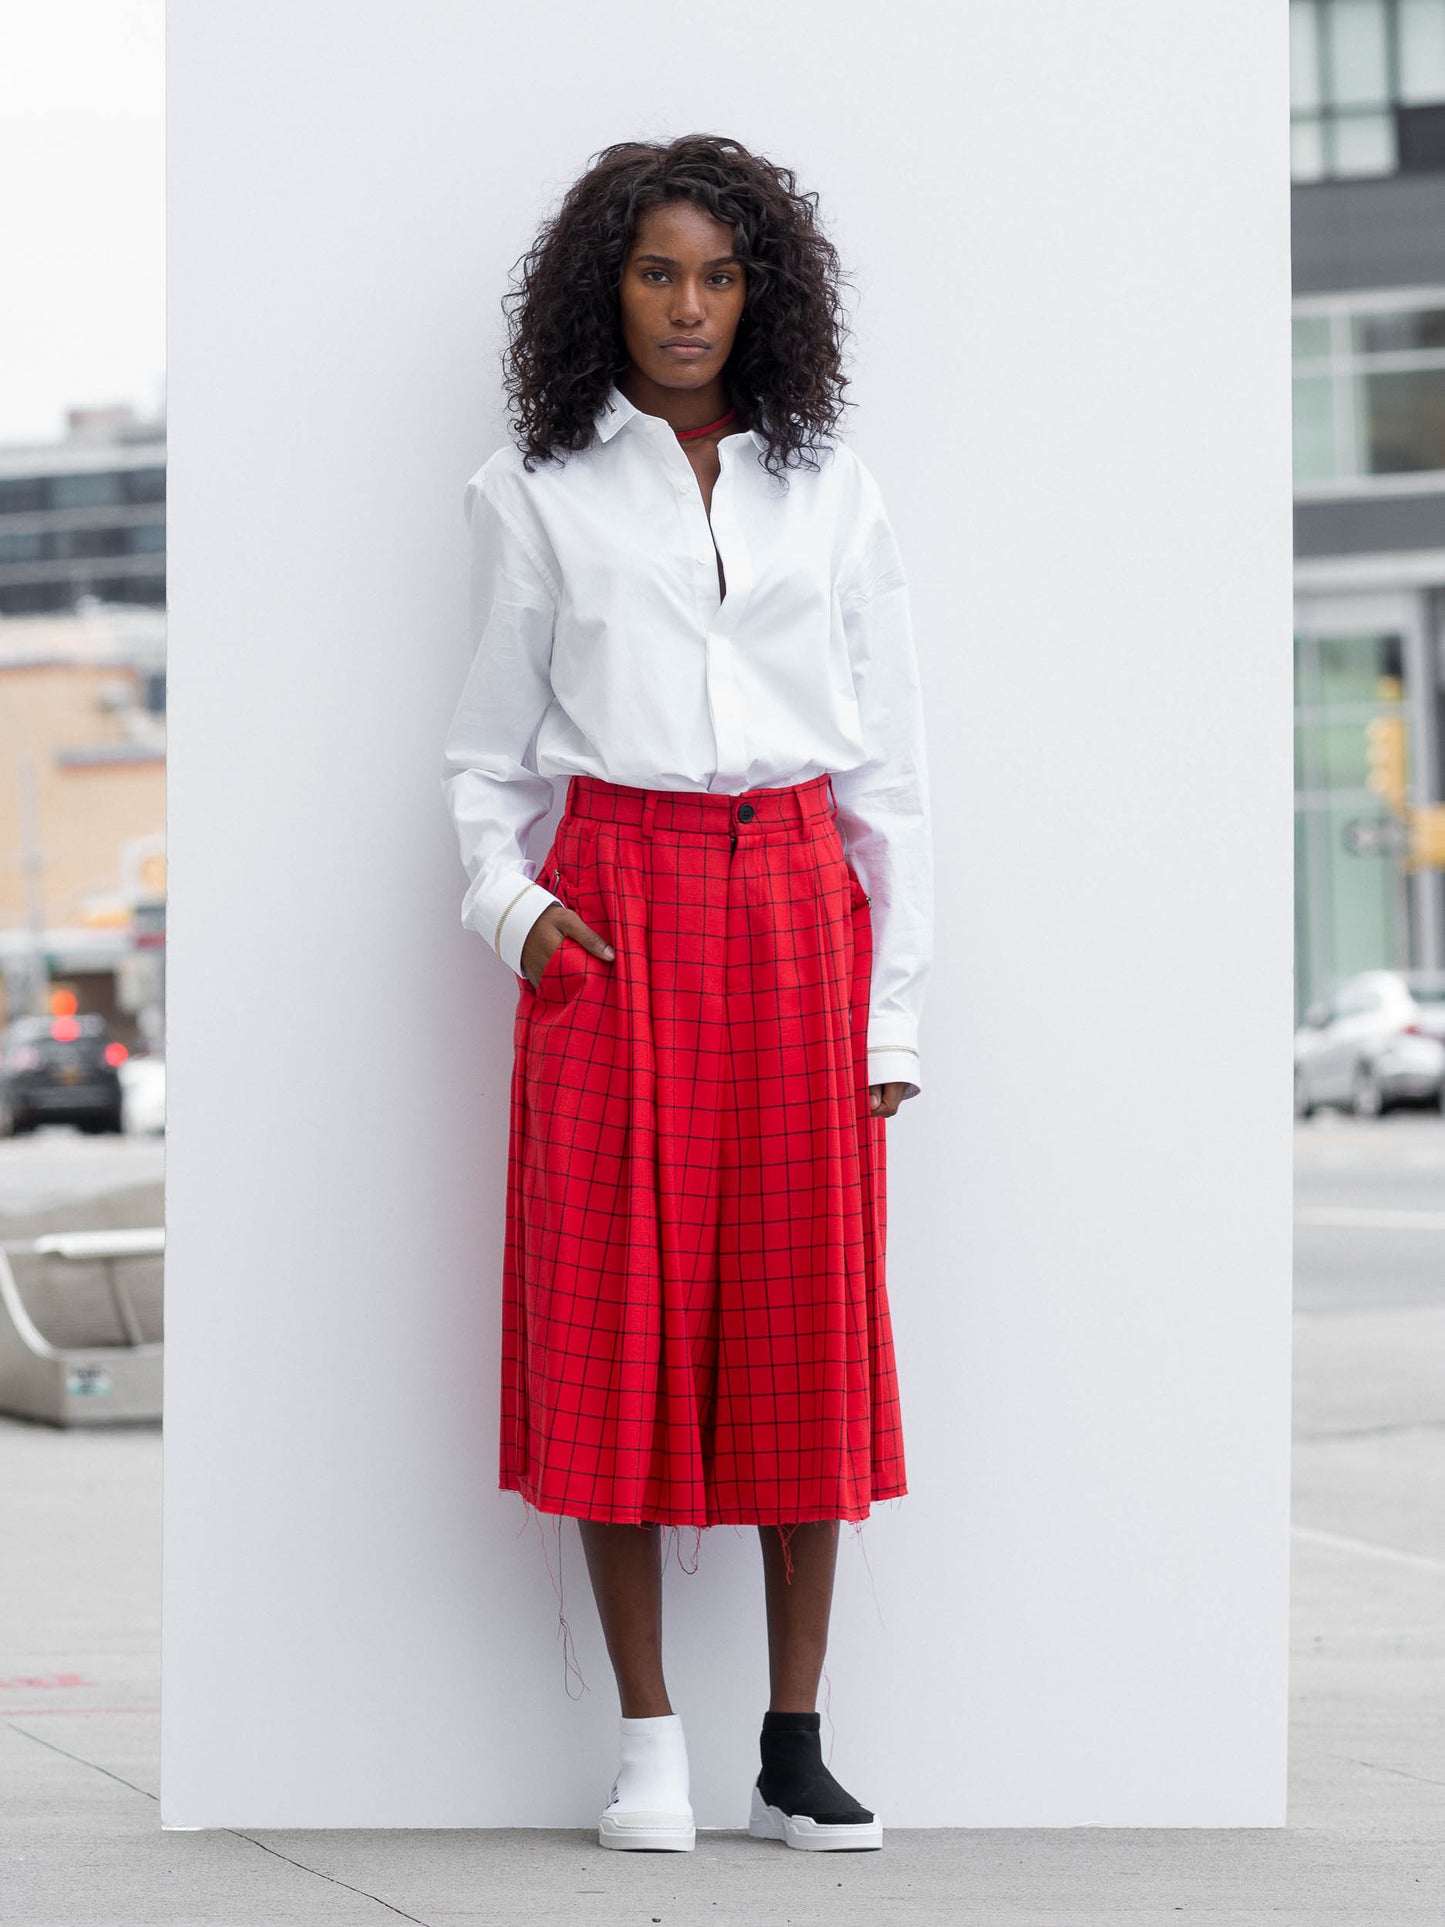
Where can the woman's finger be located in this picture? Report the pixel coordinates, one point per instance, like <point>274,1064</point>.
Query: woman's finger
<point>588,938</point>
<point>568,925</point>
<point>884,1099</point>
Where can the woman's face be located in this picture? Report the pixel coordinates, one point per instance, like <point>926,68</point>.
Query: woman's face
<point>682,296</point>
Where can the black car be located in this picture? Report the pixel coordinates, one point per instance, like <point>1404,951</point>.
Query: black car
<point>60,1070</point>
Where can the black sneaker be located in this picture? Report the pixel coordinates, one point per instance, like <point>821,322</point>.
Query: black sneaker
<point>795,1798</point>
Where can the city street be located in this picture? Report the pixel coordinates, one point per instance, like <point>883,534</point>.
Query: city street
<point>56,1166</point>
<point>80,1513</point>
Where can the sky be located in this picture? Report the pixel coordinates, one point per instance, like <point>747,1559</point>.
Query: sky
<point>82,241</point>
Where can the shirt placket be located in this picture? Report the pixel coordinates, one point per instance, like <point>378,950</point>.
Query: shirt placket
<point>704,543</point>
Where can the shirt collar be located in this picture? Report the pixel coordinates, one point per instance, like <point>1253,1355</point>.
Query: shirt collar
<point>617,411</point>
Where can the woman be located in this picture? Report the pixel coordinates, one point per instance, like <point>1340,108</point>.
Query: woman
<point>687,600</point>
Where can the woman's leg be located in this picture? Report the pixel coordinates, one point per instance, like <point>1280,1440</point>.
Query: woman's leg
<point>624,1564</point>
<point>798,1609</point>
<point>795,1797</point>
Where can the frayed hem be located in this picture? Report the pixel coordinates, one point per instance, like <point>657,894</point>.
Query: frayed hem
<point>843,1516</point>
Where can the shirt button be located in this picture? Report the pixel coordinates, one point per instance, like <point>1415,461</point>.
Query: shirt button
<point>701,559</point>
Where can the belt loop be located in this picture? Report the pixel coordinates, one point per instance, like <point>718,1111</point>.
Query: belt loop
<point>800,810</point>
<point>649,805</point>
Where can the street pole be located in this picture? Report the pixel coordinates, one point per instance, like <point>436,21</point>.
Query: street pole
<point>1421,684</point>
<point>32,863</point>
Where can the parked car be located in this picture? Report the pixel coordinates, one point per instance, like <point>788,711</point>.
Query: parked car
<point>60,1070</point>
<point>1377,1042</point>
<point>143,1095</point>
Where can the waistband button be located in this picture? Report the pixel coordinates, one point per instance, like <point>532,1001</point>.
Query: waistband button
<point>746,812</point>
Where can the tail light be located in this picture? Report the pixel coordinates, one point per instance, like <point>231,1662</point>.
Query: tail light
<point>23,1058</point>
<point>65,1030</point>
<point>116,1053</point>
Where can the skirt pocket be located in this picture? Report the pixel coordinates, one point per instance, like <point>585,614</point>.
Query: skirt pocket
<point>566,966</point>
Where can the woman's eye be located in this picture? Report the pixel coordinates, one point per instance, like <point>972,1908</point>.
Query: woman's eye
<point>723,278</point>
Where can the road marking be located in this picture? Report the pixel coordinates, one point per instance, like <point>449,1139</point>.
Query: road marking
<point>1368,1219</point>
<point>75,1712</point>
<point>1340,1542</point>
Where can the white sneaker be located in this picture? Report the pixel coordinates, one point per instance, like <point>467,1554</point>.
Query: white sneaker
<point>649,1806</point>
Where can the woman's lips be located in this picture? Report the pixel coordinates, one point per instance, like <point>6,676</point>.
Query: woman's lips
<point>687,347</point>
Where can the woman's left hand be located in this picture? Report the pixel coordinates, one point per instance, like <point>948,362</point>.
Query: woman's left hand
<point>884,1099</point>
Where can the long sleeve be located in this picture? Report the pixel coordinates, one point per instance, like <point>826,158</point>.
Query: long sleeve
<point>494,794</point>
<point>883,803</point>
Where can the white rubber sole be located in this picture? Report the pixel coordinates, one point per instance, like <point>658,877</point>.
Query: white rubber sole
<point>797,1830</point>
<point>648,1832</point>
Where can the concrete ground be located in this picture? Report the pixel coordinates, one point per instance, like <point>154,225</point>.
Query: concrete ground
<point>79,1618</point>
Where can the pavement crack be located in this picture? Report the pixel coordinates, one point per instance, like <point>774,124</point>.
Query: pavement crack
<point>335,1880</point>
<point>80,1760</point>
<point>235,1832</point>
<point>1400,1772</point>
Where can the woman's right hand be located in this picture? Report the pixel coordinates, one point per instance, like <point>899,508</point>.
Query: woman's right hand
<point>555,925</point>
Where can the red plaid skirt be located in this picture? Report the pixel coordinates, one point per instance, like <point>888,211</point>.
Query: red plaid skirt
<point>696,1327</point>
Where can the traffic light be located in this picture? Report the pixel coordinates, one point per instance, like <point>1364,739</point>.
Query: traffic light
<point>1387,758</point>
<point>1427,838</point>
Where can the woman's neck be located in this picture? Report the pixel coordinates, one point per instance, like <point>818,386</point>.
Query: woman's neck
<point>680,408</point>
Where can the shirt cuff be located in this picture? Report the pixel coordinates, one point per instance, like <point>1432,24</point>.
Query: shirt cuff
<point>515,918</point>
<point>895,1064</point>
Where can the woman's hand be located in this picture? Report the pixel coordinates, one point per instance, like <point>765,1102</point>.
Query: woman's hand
<point>553,927</point>
<point>884,1099</point>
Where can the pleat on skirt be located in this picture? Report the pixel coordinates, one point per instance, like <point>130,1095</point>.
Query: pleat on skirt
<point>695,1319</point>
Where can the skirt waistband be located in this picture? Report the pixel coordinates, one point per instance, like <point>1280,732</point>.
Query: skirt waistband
<point>799,808</point>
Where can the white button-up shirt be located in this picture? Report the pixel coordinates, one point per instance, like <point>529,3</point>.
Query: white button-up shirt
<point>604,645</point>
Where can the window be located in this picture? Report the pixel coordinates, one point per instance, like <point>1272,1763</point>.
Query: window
<point>1351,906</point>
<point>85,490</point>
<point>20,545</point>
<point>1367,88</point>
<point>76,544</point>
<point>145,484</point>
<point>1369,388</point>
<point>20,494</point>
<point>1359,1002</point>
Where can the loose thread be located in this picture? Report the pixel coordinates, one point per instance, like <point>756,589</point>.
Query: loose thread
<point>785,1538</point>
<point>676,1540</point>
<point>867,1567</point>
<point>564,1631</point>
<point>828,1684</point>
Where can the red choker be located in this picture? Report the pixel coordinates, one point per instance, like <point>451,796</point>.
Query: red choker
<point>692,434</point>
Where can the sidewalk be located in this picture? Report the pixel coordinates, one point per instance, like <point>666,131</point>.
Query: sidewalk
<point>1365,1843</point>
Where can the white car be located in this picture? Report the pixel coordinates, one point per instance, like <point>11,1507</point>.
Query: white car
<point>143,1095</point>
<point>1379,1041</point>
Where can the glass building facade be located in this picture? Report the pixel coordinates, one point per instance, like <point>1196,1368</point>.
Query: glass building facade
<point>1368,231</point>
<point>1367,88</point>
<point>78,519</point>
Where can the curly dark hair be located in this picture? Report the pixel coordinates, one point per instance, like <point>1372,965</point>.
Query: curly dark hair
<point>565,345</point>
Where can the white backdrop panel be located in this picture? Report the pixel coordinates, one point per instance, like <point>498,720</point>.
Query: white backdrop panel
<point>1069,233</point>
